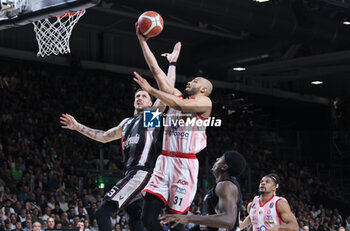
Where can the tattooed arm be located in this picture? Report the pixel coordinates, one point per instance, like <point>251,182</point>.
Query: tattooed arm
<point>115,133</point>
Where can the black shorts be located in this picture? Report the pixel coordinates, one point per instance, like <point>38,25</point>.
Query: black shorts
<point>128,189</point>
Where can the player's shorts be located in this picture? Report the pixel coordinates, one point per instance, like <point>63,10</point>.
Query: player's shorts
<point>128,189</point>
<point>174,181</point>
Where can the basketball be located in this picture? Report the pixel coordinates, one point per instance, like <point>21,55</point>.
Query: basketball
<point>150,24</point>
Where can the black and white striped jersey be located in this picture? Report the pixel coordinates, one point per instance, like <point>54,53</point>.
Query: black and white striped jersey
<point>139,143</point>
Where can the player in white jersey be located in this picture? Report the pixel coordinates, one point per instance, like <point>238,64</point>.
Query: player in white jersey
<point>268,211</point>
<point>174,179</point>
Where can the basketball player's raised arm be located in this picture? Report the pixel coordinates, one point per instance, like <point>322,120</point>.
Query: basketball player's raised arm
<point>227,210</point>
<point>158,104</point>
<point>164,82</point>
<point>115,133</point>
<point>246,222</point>
<point>200,104</point>
<point>289,221</point>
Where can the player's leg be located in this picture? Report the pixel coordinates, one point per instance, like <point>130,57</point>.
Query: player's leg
<point>124,193</point>
<point>183,187</point>
<point>151,210</point>
<point>155,194</point>
<point>104,214</point>
<point>133,215</point>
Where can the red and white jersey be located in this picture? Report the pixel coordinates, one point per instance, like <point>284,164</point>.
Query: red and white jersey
<point>264,216</point>
<point>183,134</point>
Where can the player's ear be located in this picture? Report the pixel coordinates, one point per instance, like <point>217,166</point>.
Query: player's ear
<point>224,167</point>
<point>277,185</point>
<point>203,90</point>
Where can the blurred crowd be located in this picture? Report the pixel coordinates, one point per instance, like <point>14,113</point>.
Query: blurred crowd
<point>46,174</point>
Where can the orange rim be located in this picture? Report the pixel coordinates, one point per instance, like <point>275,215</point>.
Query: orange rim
<point>71,13</point>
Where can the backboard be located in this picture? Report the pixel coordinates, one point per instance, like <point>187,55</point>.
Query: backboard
<point>15,13</point>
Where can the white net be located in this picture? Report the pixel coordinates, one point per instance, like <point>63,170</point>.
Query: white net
<point>53,33</point>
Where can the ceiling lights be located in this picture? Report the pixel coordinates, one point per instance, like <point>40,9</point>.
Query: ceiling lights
<point>239,69</point>
<point>317,82</point>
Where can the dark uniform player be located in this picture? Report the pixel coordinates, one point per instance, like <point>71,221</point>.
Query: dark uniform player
<point>138,146</point>
<point>222,203</point>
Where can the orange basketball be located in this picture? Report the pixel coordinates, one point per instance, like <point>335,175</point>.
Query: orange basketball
<point>150,24</point>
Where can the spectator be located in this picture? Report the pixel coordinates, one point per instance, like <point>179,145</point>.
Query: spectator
<point>36,226</point>
<point>63,203</point>
<point>44,225</point>
<point>8,225</point>
<point>50,223</point>
<point>80,225</point>
<point>47,214</point>
<point>28,225</point>
<point>82,213</point>
<point>22,216</point>
<point>13,220</point>
<point>347,223</point>
<point>87,225</point>
<point>57,210</point>
<point>64,219</point>
<point>59,225</point>
<point>16,172</point>
<point>52,203</point>
<point>301,225</point>
<point>71,214</point>
<point>94,226</point>
<point>36,214</point>
<point>18,226</point>
<point>92,212</point>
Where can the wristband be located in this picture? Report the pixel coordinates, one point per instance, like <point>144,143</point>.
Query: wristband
<point>172,64</point>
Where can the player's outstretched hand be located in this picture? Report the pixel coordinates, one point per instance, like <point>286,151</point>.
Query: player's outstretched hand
<point>142,82</point>
<point>175,54</point>
<point>177,219</point>
<point>138,33</point>
<point>68,122</point>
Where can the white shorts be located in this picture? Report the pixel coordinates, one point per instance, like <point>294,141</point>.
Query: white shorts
<point>174,181</point>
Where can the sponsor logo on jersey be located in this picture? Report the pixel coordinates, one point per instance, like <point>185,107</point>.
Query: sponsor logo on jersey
<point>183,182</point>
<point>181,190</point>
<point>179,134</point>
<point>131,140</point>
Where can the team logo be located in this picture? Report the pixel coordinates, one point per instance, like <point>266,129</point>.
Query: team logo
<point>151,118</point>
<point>253,206</point>
<point>271,205</point>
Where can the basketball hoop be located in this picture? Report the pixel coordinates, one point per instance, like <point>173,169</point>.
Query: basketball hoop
<point>53,33</point>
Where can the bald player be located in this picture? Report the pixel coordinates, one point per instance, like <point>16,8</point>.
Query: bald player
<point>174,180</point>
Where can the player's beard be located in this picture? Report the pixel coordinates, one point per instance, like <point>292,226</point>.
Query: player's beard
<point>188,93</point>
